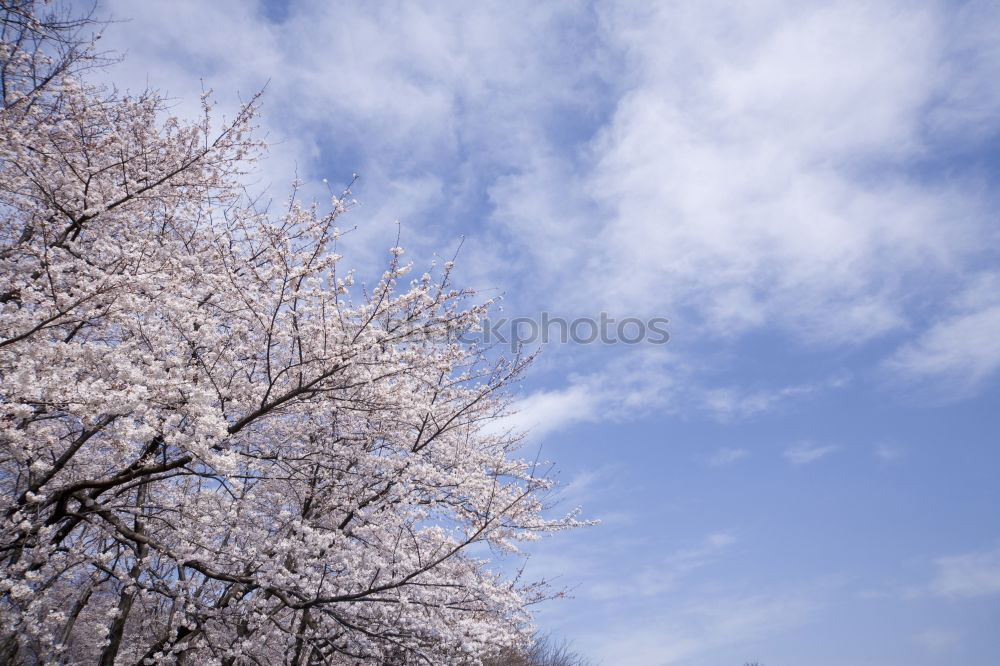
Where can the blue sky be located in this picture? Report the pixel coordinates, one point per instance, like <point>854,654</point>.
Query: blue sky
<point>807,474</point>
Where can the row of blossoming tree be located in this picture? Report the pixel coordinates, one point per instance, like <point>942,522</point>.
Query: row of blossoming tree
<point>213,449</point>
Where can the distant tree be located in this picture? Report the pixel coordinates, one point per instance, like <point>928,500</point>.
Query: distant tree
<point>209,453</point>
<point>543,651</point>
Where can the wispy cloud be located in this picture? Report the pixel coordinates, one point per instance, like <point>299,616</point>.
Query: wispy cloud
<point>426,102</point>
<point>975,574</point>
<point>667,572</point>
<point>961,350</point>
<point>937,639</point>
<point>625,388</point>
<point>631,386</point>
<point>888,452</point>
<point>692,632</point>
<point>804,453</point>
<point>727,179</point>
<point>727,456</point>
<point>739,194</point>
<point>734,402</point>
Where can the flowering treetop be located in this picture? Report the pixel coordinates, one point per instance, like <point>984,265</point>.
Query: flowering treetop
<point>211,450</point>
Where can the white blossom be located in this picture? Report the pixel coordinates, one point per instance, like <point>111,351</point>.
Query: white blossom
<point>209,451</point>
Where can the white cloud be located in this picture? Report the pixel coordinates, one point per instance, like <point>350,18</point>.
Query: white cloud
<point>938,639</point>
<point>546,411</point>
<point>588,487</point>
<point>627,387</point>
<point>804,453</point>
<point>732,180</point>
<point>692,632</point>
<point>667,572</point>
<point>735,402</point>
<point>888,453</point>
<point>644,380</point>
<point>424,101</point>
<point>729,178</point>
<point>975,574</point>
<point>962,349</point>
<point>727,456</point>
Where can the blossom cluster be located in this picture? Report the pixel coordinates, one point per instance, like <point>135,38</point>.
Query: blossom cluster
<point>212,450</point>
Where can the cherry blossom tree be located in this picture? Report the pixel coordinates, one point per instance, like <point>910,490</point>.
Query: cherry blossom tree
<point>214,447</point>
